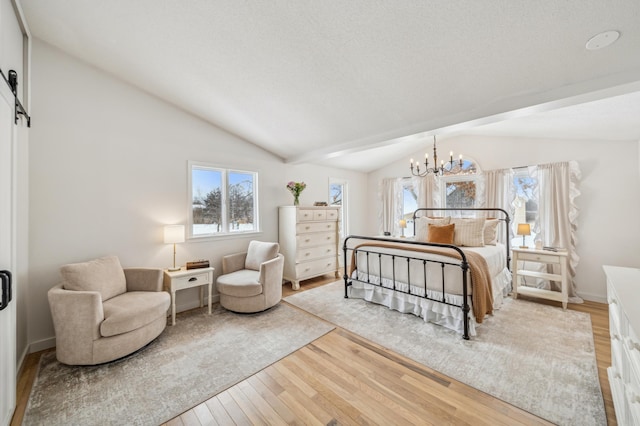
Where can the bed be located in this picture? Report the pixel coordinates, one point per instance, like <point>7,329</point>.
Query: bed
<point>454,285</point>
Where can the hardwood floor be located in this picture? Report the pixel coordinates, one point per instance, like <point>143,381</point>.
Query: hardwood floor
<point>342,378</point>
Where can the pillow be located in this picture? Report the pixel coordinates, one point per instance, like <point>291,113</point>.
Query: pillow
<point>104,275</point>
<point>469,232</point>
<point>440,234</point>
<point>259,252</point>
<point>491,232</point>
<point>422,222</point>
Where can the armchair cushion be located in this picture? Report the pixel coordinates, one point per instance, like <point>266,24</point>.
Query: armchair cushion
<point>132,310</point>
<point>243,283</point>
<point>260,252</point>
<point>104,275</point>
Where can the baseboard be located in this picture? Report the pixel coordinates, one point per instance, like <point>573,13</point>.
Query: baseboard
<point>20,362</point>
<point>594,297</point>
<point>41,345</point>
<point>195,303</point>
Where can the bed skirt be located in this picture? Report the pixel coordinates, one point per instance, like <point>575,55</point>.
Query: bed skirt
<point>435,312</point>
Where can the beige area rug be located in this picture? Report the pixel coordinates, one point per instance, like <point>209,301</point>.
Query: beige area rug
<point>197,358</point>
<point>536,357</point>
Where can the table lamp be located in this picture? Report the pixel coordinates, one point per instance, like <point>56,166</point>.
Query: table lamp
<point>174,234</point>
<point>403,224</point>
<point>524,229</point>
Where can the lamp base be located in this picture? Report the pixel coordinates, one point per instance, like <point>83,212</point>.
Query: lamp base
<point>174,269</point>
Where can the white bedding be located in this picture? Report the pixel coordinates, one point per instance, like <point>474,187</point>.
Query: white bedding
<point>432,311</point>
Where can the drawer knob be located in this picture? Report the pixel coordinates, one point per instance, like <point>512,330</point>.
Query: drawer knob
<point>307,240</point>
<point>192,279</point>
<point>307,254</point>
<point>308,227</point>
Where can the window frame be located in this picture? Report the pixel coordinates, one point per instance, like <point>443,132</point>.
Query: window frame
<point>344,223</point>
<point>407,184</point>
<point>224,183</point>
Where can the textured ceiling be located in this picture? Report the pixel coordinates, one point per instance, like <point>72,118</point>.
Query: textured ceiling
<point>312,80</point>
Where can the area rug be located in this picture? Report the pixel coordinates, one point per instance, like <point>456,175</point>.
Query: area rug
<point>197,358</point>
<point>533,356</point>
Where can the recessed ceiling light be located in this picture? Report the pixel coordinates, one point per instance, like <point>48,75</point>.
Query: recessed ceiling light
<point>601,40</point>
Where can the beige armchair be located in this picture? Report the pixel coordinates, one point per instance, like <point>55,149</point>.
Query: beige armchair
<point>252,281</point>
<point>102,312</point>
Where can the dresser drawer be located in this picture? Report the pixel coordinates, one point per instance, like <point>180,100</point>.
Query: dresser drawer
<point>305,215</point>
<point>536,257</point>
<point>303,228</point>
<point>332,214</point>
<point>319,215</point>
<point>312,253</point>
<point>178,283</point>
<point>317,239</point>
<point>316,267</point>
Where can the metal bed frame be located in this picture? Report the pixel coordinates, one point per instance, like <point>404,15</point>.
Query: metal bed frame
<point>462,263</point>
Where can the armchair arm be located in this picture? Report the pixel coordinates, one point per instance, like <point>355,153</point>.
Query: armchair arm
<point>144,279</point>
<point>77,316</point>
<point>233,262</point>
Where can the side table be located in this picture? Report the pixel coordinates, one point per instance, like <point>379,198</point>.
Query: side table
<point>179,280</point>
<point>542,256</point>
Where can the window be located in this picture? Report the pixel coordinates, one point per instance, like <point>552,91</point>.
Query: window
<point>223,201</point>
<point>338,197</point>
<point>525,204</point>
<point>409,205</point>
<point>460,190</point>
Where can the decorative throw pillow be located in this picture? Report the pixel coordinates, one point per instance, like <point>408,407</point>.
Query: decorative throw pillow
<point>440,234</point>
<point>104,275</point>
<point>491,232</point>
<point>469,232</point>
<point>259,252</point>
<point>422,222</point>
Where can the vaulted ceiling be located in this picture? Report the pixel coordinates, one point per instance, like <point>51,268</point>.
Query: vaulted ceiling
<point>319,80</point>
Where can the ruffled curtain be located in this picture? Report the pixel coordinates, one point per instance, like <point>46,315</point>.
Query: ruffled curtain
<point>390,196</point>
<point>500,193</point>
<point>556,190</point>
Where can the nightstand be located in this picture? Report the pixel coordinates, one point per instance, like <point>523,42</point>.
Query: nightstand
<point>188,278</point>
<point>541,256</point>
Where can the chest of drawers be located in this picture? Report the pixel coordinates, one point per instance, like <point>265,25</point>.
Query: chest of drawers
<point>623,295</point>
<point>308,238</point>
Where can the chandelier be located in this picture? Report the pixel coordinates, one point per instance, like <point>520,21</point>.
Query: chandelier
<point>449,168</point>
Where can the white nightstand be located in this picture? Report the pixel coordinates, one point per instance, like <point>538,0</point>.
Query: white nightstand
<point>179,280</point>
<point>541,256</point>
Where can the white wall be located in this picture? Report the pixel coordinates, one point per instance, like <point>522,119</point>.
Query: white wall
<point>608,228</point>
<point>109,167</point>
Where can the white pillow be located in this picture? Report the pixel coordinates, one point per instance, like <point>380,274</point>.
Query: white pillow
<point>104,275</point>
<point>422,224</point>
<point>260,252</point>
<point>469,232</point>
<point>491,232</point>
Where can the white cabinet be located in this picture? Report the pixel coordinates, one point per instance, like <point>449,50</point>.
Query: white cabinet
<point>541,256</point>
<point>623,295</point>
<point>309,240</point>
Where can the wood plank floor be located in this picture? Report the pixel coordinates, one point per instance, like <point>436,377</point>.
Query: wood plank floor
<point>342,378</point>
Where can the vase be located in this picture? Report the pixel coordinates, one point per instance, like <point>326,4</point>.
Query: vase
<point>296,202</point>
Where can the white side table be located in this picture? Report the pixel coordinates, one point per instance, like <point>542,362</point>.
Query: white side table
<point>541,256</point>
<point>179,280</point>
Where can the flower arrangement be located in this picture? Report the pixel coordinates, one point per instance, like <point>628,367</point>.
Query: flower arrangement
<point>296,188</point>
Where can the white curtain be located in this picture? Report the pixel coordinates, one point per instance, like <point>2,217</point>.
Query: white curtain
<point>390,210</point>
<point>500,193</point>
<point>556,224</point>
<point>427,191</point>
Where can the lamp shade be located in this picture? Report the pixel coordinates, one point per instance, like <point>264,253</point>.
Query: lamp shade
<point>173,234</point>
<point>403,223</point>
<point>524,229</point>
